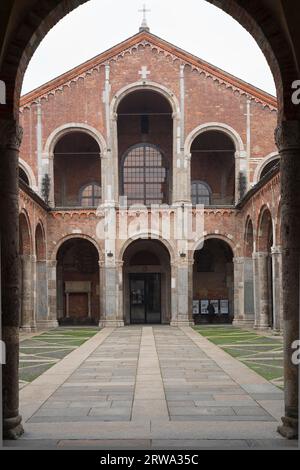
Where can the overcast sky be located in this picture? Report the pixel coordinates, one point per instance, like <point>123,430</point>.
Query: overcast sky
<point>193,25</point>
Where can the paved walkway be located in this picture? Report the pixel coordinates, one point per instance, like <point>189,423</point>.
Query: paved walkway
<point>150,387</point>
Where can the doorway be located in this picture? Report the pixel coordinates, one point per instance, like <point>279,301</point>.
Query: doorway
<point>145,298</point>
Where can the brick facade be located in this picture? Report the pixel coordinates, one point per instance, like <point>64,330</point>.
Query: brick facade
<point>194,98</point>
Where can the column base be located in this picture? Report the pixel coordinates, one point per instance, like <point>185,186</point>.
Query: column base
<point>179,323</point>
<point>243,322</point>
<point>289,428</point>
<point>262,327</point>
<point>12,428</point>
<point>26,329</point>
<point>46,325</point>
<point>111,323</point>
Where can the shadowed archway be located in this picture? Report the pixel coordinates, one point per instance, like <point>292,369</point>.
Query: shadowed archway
<point>147,283</point>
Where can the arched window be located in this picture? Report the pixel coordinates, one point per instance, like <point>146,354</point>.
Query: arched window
<point>268,167</point>
<point>201,193</point>
<point>23,176</point>
<point>90,195</point>
<point>144,176</point>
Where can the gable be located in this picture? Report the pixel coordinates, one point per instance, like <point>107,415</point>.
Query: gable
<point>164,49</point>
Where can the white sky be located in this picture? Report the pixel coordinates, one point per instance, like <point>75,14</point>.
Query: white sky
<point>193,25</point>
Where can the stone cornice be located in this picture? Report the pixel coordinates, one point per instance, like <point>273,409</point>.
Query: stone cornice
<point>146,39</point>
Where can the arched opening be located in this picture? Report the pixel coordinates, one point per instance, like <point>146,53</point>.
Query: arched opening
<point>268,167</point>
<point>248,271</point>
<point>145,140</point>
<point>264,247</point>
<point>26,275</point>
<point>213,169</point>
<point>77,171</point>
<point>213,283</point>
<point>274,28</point>
<point>147,284</point>
<point>78,294</point>
<point>23,176</point>
<point>41,275</point>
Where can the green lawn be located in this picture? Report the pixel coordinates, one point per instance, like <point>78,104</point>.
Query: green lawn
<point>261,353</point>
<point>41,352</point>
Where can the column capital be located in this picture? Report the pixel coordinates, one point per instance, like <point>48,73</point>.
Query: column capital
<point>238,260</point>
<point>276,250</point>
<point>25,257</point>
<point>119,263</point>
<point>52,263</point>
<point>260,254</point>
<point>287,136</point>
<point>10,134</point>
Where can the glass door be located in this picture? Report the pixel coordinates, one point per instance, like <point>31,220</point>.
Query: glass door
<point>137,299</point>
<point>145,298</point>
<point>153,301</point>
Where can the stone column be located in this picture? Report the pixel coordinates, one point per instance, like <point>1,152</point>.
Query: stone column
<point>51,176</point>
<point>10,140</point>
<point>182,315</point>
<point>261,291</point>
<point>59,293</point>
<point>111,315</point>
<point>41,297</point>
<point>51,321</point>
<point>112,174</point>
<point>34,274</point>
<point>277,287</point>
<point>173,294</point>
<point>27,291</point>
<point>238,266</point>
<point>288,142</point>
<point>243,292</point>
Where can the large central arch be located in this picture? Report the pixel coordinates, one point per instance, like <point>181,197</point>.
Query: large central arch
<point>146,282</point>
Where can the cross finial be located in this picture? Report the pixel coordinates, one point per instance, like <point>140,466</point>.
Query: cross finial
<point>144,26</point>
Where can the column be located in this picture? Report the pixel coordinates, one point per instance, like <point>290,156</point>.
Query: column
<point>277,287</point>
<point>41,302</point>
<point>59,293</point>
<point>288,142</point>
<point>111,315</point>
<point>10,140</point>
<point>243,292</point>
<point>51,321</point>
<point>238,266</point>
<point>182,315</point>
<point>39,140</point>
<point>173,294</point>
<point>27,293</point>
<point>112,175</point>
<point>34,293</point>
<point>51,176</point>
<point>261,289</point>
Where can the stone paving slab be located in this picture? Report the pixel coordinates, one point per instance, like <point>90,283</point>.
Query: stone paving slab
<point>148,385</point>
<point>147,444</point>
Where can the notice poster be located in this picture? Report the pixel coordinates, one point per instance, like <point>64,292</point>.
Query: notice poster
<point>224,307</point>
<point>204,305</point>
<point>196,307</point>
<point>215,303</point>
